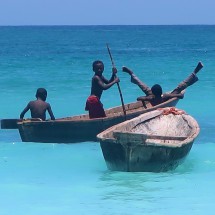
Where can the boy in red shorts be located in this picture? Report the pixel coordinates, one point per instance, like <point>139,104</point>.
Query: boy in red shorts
<point>99,83</point>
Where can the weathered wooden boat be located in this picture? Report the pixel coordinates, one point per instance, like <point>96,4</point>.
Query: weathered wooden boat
<point>152,142</point>
<point>80,128</point>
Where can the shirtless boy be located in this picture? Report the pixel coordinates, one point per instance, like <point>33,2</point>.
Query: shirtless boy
<point>39,106</point>
<point>99,83</point>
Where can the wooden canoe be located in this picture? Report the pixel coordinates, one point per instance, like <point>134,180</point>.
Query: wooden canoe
<point>152,142</point>
<point>80,128</point>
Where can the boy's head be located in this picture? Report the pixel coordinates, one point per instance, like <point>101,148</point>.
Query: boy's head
<point>98,66</point>
<point>41,93</point>
<point>157,90</point>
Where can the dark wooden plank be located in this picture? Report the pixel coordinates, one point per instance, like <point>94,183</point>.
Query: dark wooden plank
<point>9,123</point>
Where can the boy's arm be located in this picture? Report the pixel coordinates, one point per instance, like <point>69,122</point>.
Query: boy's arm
<point>105,80</point>
<point>50,112</point>
<point>114,71</point>
<point>104,86</point>
<point>24,111</point>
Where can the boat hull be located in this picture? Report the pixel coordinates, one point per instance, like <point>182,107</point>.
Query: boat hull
<point>143,158</point>
<point>65,131</point>
<point>81,128</point>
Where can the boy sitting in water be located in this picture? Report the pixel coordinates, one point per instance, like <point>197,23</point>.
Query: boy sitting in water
<point>154,95</point>
<point>99,83</point>
<point>39,107</point>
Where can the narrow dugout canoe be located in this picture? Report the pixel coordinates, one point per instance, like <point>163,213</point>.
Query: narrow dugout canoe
<point>152,142</point>
<point>80,128</point>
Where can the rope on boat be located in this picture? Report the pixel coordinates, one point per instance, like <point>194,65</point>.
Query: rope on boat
<point>172,110</point>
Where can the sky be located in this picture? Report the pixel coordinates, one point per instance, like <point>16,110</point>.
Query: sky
<point>107,12</point>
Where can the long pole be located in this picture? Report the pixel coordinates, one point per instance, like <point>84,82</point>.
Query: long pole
<point>120,92</point>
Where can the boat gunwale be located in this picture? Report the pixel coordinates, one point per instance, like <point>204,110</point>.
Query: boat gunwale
<point>101,136</point>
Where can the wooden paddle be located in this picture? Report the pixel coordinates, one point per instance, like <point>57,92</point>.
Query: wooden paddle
<point>120,92</point>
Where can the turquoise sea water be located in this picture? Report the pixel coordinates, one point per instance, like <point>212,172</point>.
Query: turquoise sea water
<point>55,179</point>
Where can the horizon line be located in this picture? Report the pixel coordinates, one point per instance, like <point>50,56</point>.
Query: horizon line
<point>23,25</point>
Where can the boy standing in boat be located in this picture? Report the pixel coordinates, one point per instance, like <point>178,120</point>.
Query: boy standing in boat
<point>154,95</point>
<point>99,83</point>
<point>39,107</point>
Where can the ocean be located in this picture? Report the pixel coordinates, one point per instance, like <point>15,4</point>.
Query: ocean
<point>56,179</point>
